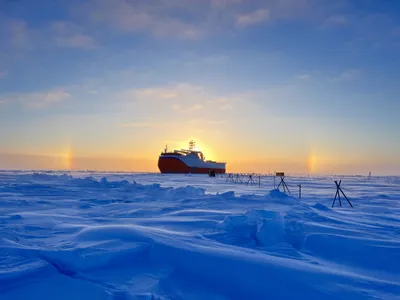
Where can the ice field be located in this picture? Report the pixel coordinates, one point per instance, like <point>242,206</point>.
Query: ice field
<point>153,236</point>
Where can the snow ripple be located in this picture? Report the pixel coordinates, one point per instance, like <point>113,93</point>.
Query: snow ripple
<point>65,237</point>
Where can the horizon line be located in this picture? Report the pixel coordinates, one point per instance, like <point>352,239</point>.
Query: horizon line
<point>288,174</point>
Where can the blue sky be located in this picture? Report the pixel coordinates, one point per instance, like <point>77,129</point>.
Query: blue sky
<point>287,80</point>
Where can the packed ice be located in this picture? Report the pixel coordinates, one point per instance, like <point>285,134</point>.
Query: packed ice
<point>120,236</point>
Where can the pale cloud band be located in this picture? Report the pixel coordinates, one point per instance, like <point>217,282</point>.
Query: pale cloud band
<point>36,100</point>
<point>159,19</point>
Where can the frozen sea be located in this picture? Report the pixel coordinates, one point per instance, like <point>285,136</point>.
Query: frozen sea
<point>157,236</point>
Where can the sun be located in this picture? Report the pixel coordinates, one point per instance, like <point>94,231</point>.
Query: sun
<point>199,146</point>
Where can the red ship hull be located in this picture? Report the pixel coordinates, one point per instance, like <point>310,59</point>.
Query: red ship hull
<point>175,165</point>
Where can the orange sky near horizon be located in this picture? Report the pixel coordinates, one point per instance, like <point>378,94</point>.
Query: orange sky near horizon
<point>238,161</point>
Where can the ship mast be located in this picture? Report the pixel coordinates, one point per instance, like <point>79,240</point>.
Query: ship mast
<point>192,145</point>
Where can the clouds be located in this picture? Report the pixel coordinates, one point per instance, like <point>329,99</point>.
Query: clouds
<point>252,18</point>
<point>156,124</point>
<point>179,106</point>
<point>128,16</point>
<point>36,100</point>
<point>137,124</point>
<point>20,35</point>
<point>224,3</point>
<point>335,21</point>
<point>88,21</point>
<point>181,98</point>
<point>140,72</point>
<point>16,35</point>
<point>19,38</point>
<point>69,34</point>
<point>347,75</point>
<point>189,21</point>
<point>304,77</point>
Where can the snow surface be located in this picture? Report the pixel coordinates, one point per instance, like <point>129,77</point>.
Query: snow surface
<point>152,236</point>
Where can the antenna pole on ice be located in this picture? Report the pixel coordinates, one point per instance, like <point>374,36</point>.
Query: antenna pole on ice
<point>299,185</point>
<point>283,183</point>
<point>337,195</point>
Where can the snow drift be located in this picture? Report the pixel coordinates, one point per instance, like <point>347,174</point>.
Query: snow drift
<point>66,237</point>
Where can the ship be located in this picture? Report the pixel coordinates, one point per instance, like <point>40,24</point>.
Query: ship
<point>186,161</point>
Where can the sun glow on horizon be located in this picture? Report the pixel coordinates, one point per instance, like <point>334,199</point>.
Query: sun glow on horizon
<point>67,157</point>
<point>199,146</point>
<point>312,163</point>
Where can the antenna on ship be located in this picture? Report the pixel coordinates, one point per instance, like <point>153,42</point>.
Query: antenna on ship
<point>192,144</point>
